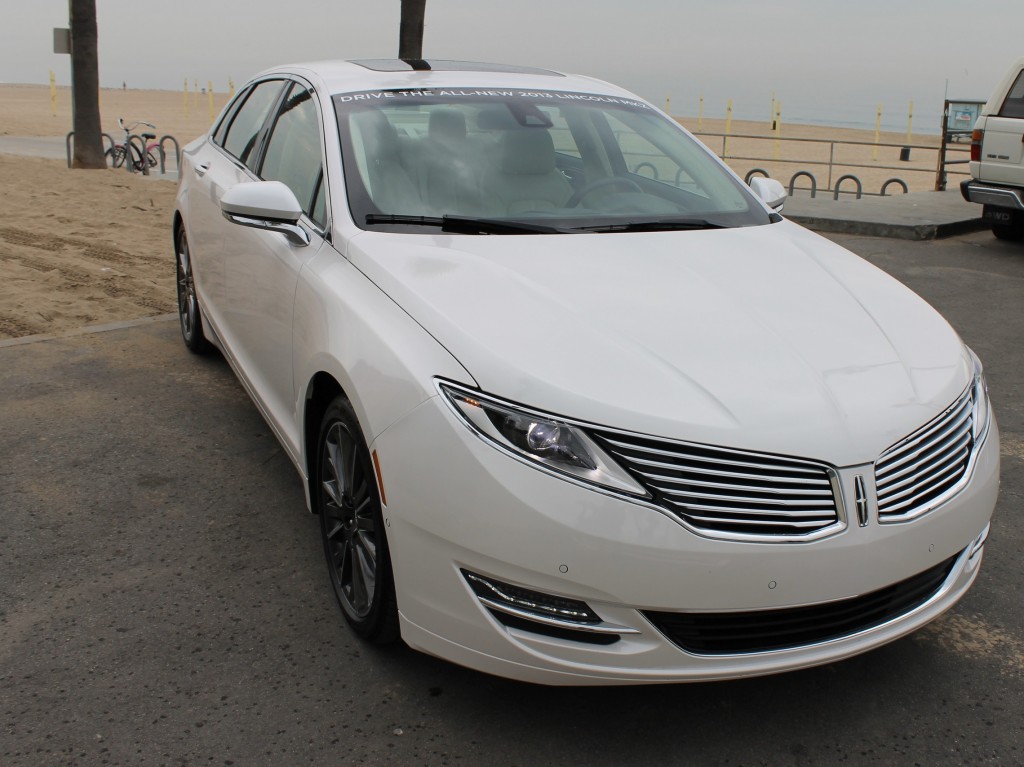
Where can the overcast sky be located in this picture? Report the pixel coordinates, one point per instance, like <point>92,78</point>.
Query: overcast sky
<point>836,58</point>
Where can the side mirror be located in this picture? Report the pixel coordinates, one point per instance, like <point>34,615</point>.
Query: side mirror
<point>267,205</point>
<point>772,192</point>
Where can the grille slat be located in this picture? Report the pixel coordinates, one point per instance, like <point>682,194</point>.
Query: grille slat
<point>915,473</point>
<point>890,485</point>
<point>937,482</point>
<point>715,456</point>
<point>730,493</point>
<point>807,486</point>
<point>784,503</point>
<point>719,519</point>
<point>912,484</point>
<point>950,434</point>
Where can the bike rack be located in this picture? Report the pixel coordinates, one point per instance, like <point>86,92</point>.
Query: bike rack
<point>800,174</point>
<point>654,170</point>
<point>841,179</point>
<point>752,171</point>
<point>71,135</point>
<point>177,153</point>
<point>139,143</point>
<point>899,181</point>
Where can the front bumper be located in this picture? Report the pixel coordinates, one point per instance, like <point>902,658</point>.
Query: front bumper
<point>456,504</point>
<point>992,194</point>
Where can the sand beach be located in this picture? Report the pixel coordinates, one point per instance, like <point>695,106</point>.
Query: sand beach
<point>80,248</point>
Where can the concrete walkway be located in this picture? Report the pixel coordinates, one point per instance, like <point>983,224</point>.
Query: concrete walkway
<point>914,216</point>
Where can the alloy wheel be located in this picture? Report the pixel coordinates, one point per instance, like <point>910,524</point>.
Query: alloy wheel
<point>349,521</point>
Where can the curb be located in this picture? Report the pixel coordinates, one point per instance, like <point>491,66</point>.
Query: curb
<point>922,231</point>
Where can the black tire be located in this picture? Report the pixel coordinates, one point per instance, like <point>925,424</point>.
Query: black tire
<point>115,156</point>
<point>189,316</point>
<point>151,159</point>
<point>1012,232</point>
<point>352,527</point>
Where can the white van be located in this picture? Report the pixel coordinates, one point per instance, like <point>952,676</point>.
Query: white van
<point>997,157</point>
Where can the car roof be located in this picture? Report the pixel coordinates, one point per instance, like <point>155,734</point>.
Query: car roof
<point>397,74</point>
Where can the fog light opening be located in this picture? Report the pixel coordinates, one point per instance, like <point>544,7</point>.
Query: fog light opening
<point>533,603</point>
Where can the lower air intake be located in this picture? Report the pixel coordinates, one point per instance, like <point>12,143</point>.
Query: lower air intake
<point>767,630</point>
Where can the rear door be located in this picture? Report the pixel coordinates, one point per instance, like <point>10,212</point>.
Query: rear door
<point>1002,150</point>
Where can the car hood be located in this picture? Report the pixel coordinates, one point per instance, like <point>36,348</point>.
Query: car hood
<point>765,338</point>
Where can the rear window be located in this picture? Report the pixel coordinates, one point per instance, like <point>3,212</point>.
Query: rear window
<point>1014,104</point>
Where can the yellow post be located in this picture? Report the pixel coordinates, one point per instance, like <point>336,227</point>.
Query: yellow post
<point>771,114</point>
<point>910,121</point>
<point>728,129</point>
<point>186,97</point>
<point>195,93</point>
<point>231,88</point>
<point>878,130</point>
<point>53,94</point>
<point>700,114</point>
<point>209,93</point>
<point>778,126</point>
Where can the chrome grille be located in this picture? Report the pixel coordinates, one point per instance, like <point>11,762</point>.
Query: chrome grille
<point>733,494</point>
<point>917,473</point>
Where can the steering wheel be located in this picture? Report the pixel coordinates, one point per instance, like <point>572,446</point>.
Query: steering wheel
<point>578,196</point>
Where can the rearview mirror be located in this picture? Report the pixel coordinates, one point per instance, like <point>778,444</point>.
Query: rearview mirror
<point>267,205</point>
<point>772,192</point>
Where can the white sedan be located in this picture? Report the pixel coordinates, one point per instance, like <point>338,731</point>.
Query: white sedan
<point>574,404</point>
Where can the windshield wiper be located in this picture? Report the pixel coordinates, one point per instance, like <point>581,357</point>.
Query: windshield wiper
<point>466,224</point>
<point>655,225</point>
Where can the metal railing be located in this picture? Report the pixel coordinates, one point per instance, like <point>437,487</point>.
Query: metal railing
<point>835,165</point>
<point>140,145</point>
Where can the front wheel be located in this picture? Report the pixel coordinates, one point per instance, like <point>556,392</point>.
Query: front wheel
<point>115,156</point>
<point>352,527</point>
<point>189,316</point>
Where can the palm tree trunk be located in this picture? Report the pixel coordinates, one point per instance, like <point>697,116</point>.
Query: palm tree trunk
<point>85,86</point>
<point>410,33</point>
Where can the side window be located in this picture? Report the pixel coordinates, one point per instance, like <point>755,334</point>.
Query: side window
<point>244,130</point>
<point>293,152</point>
<point>1014,104</point>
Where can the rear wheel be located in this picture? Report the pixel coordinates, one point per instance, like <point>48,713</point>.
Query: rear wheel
<point>189,316</point>
<point>352,527</point>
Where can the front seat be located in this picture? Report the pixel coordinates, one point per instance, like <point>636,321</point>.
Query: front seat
<point>525,177</point>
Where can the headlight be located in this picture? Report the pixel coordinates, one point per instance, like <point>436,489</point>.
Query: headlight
<point>545,441</point>
<point>982,412</point>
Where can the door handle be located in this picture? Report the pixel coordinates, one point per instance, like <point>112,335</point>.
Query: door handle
<point>201,169</point>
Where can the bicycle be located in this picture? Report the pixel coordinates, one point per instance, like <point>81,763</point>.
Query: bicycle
<point>116,154</point>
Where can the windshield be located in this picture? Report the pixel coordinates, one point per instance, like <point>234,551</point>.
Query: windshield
<point>552,161</point>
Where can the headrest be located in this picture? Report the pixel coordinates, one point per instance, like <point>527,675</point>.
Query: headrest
<point>379,135</point>
<point>447,124</point>
<point>527,152</point>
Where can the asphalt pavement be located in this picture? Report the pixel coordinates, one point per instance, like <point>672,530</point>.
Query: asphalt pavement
<point>163,599</point>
